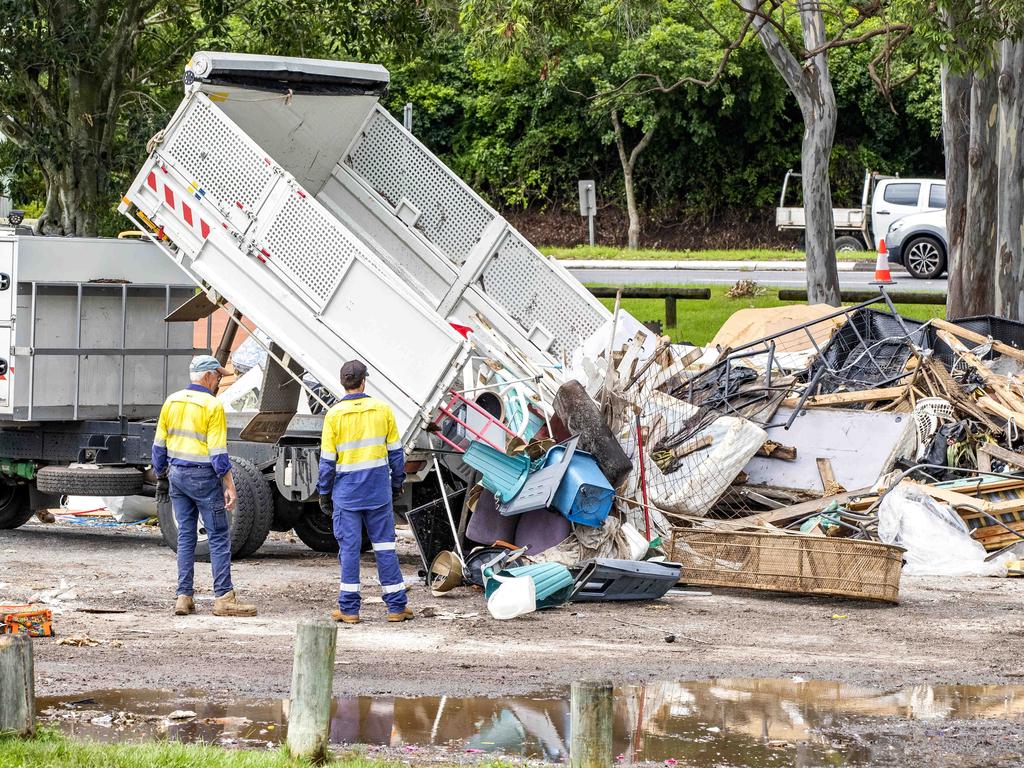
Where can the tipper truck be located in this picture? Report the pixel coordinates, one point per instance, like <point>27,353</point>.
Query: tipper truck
<point>288,194</point>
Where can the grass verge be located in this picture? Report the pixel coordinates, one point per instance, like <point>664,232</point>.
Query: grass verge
<point>611,253</point>
<point>699,320</point>
<point>49,748</point>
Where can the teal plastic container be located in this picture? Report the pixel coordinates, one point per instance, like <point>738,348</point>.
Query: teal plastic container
<point>553,582</point>
<point>584,496</point>
<point>503,475</point>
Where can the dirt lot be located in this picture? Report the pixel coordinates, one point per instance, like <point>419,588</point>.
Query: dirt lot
<point>962,631</point>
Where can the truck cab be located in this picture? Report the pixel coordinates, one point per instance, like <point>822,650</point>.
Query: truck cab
<point>895,198</point>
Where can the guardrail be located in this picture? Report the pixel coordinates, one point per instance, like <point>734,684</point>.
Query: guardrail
<point>918,297</point>
<point>670,295</point>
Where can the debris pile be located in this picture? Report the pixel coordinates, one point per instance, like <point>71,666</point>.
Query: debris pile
<point>805,449</point>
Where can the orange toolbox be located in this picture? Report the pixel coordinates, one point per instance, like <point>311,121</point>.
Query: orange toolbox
<point>26,619</point>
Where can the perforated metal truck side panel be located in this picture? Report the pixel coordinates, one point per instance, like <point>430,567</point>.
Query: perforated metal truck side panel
<point>519,280</point>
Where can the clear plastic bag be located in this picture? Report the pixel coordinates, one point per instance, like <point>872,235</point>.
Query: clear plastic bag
<point>936,539</point>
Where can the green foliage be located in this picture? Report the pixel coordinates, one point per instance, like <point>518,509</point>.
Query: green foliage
<point>515,95</point>
<point>961,33</point>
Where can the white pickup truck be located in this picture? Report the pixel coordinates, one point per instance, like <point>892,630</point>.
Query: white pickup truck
<point>884,200</point>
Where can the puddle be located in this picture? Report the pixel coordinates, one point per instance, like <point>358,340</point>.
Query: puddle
<point>724,722</point>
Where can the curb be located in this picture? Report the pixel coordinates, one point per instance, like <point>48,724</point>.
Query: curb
<point>703,266</point>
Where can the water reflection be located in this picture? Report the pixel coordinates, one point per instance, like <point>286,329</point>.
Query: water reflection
<point>733,722</point>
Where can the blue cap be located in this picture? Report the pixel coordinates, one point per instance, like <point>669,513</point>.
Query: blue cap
<point>206,363</point>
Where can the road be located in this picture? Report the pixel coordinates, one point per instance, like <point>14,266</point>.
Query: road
<point>773,278</point>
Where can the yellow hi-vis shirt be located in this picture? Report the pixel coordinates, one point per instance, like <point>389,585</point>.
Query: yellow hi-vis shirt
<point>192,430</point>
<point>361,455</point>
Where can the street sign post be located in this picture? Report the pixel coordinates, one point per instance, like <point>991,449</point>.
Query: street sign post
<point>588,204</point>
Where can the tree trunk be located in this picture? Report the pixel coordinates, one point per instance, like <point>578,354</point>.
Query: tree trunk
<point>970,280</point>
<point>815,151</point>
<point>956,142</point>
<point>628,166</point>
<point>1009,272</point>
<point>811,84</point>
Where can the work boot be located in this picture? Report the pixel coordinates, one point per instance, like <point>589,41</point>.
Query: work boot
<point>345,618</point>
<point>228,605</point>
<point>184,605</point>
<point>403,616</point>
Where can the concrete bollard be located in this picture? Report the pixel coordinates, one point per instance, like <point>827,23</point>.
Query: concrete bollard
<point>591,720</point>
<point>17,686</point>
<point>309,707</point>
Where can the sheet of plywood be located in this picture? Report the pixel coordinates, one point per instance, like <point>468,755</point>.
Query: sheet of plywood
<point>861,446</point>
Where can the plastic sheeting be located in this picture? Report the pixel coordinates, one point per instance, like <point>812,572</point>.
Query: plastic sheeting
<point>936,540</point>
<point>702,476</point>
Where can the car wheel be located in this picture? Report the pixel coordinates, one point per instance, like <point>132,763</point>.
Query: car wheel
<point>924,258</point>
<point>848,244</point>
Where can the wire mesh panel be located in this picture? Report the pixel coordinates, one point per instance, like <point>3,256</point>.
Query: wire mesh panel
<point>206,147</point>
<point>809,565</point>
<point>524,284</point>
<point>398,167</point>
<point>705,422</point>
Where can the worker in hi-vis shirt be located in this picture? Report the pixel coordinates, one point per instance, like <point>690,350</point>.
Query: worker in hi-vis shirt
<point>362,466</point>
<point>190,458</point>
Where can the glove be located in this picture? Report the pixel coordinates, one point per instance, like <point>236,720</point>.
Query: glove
<point>163,490</point>
<point>327,504</point>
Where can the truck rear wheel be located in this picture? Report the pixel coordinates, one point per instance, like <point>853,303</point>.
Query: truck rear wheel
<point>315,529</point>
<point>15,509</point>
<point>264,514</point>
<point>241,519</point>
<point>848,244</point>
<point>89,480</point>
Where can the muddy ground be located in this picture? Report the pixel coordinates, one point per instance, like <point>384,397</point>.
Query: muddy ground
<point>943,631</point>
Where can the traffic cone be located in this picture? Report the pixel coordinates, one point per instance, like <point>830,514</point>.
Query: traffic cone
<point>882,274</point>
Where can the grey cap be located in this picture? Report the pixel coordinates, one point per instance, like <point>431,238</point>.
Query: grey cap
<point>353,372</point>
<point>206,363</point>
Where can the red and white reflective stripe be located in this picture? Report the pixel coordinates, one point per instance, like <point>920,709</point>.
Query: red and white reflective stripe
<point>178,204</point>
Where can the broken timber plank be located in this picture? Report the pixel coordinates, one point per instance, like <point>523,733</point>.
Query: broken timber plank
<point>953,498</point>
<point>993,451</point>
<point>849,398</point>
<point>991,405</point>
<point>829,485</point>
<point>774,450</point>
<point>999,386</point>
<point>790,513</point>
<point>977,338</point>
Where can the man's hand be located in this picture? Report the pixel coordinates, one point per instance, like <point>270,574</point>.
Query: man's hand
<point>163,490</point>
<point>230,495</point>
<point>327,504</point>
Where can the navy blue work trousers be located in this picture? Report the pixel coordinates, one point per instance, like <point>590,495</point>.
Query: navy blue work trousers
<point>197,493</point>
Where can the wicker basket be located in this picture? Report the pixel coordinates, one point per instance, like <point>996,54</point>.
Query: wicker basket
<point>809,565</point>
